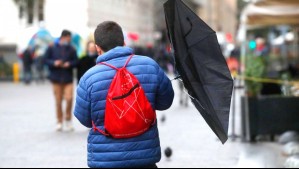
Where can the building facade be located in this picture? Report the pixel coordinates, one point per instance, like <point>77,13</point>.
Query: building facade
<point>9,30</point>
<point>221,15</point>
<point>83,16</point>
<point>135,16</point>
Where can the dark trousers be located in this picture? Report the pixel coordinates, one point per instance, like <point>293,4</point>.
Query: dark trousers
<point>27,75</point>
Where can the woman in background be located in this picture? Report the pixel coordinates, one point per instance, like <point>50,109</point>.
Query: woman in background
<point>88,61</point>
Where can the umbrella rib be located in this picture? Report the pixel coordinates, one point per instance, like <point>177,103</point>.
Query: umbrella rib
<point>194,99</point>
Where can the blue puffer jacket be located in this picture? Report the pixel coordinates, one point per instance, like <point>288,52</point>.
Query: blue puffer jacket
<point>104,152</point>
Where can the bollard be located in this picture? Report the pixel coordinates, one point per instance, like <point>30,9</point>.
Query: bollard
<point>16,73</point>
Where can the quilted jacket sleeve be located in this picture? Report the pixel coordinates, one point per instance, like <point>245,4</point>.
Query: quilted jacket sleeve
<point>83,105</point>
<point>49,60</point>
<point>165,93</point>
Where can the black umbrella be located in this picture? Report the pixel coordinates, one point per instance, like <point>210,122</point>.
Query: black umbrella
<point>201,65</point>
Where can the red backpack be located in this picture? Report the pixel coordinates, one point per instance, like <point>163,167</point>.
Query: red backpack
<point>128,112</point>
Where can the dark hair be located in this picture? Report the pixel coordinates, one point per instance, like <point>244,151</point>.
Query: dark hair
<point>66,33</point>
<point>109,35</point>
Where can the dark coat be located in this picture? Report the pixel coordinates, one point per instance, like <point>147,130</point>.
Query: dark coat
<point>27,60</point>
<point>66,54</point>
<point>85,64</point>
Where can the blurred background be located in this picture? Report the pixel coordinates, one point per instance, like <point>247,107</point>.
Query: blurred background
<point>259,39</point>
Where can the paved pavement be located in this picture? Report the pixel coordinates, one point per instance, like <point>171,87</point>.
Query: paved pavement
<point>28,138</point>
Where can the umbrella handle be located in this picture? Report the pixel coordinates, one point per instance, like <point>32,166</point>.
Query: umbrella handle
<point>178,77</point>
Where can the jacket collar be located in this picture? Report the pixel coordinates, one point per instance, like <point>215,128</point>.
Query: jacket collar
<point>115,53</point>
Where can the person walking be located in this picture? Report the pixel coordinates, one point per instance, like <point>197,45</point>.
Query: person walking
<point>137,88</point>
<point>40,68</point>
<point>27,58</point>
<point>61,59</point>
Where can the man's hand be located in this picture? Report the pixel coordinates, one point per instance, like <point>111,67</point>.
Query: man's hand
<point>66,65</point>
<point>58,63</point>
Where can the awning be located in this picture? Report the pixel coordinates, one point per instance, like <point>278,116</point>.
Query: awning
<point>263,13</point>
<point>276,2</point>
<point>271,12</point>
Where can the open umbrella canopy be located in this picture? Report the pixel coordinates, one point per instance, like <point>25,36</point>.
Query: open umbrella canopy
<point>36,38</point>
<point>40,41</point>
<point>77,42</point>
<point>41,35</point>
<point>201,65</point>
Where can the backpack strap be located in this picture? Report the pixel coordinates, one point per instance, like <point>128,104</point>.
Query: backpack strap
<point>128,61</point>
<point>106,64</point>
<point>113,67</point>
<point>95,129</point>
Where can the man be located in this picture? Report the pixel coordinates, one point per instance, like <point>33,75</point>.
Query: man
<point>87,61</point>
<point>104,151</point>
<point>62,59</point>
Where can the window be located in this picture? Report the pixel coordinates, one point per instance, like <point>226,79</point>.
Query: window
<point>31,10</point>
<point>41,5</point>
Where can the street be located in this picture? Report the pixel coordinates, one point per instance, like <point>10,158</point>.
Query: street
<point>28,137</point>
<point>202,41</point>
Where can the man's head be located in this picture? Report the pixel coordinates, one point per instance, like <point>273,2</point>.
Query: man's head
<point>66,37</point>
<point>108,35</point>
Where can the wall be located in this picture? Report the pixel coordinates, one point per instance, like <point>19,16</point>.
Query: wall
<point>135,16</point>
<point>219,14</point>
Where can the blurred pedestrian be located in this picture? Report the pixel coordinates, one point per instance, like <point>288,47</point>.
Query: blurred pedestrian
<point>88,61</point>
<point>40,68</point>
<point>2,65</point>
<point>162,58</point>
<point>27,58</point>
<point>1,58</point>
<point>143,150</point>
<point>233,65</point>
<point>262,48</point>
<point>149,51</point>
<point>62,59</point>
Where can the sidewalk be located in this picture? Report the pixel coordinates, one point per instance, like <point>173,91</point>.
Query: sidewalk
<point>261,155</point>
<point>28,138</point>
